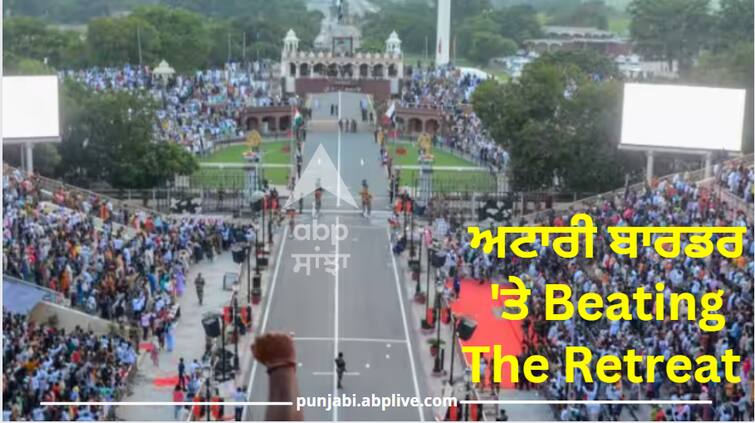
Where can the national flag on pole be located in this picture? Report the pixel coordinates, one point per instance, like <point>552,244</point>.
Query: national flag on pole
<point>390,114</point>
<point>298,118</point>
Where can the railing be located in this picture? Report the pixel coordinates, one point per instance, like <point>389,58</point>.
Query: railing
<point>53,185</point>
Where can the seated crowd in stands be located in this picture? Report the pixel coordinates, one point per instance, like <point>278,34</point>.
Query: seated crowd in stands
<point>119,264</point>
<point>669,203</point>
<point>193,110</point>
<point>448,90</point>
<point>42,363</point>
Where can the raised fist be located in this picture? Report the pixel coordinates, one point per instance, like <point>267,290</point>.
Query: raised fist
<point>274,350</point>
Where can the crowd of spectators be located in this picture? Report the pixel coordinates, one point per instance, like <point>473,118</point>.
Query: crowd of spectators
<point>194,110</point>
<point>42,363</point>
<point>448,90</point>
<point>670,203</point>
<point>739,177</point>
<point>119,264</point>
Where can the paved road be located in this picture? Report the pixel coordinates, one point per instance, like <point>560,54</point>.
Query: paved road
<point>357,309</point>
<point>189,342</point>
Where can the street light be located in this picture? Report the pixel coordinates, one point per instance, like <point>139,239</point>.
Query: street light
<point>453,349</point>
<point>430,253</point>
<point>438,367</point>
<point>235,327</point>
<point>248,252</point>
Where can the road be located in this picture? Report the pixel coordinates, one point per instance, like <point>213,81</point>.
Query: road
<point>358,308</point>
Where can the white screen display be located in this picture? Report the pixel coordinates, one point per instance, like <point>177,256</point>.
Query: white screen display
<point>675,116</point>
<point>30,107</point>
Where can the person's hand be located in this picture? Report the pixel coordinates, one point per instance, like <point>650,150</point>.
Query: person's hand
<point>274,350</point>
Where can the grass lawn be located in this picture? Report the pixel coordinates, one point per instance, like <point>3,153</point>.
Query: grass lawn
<point>443,180</point>
<point>275,152</point>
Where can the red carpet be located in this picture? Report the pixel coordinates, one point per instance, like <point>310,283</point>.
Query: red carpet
<point>475,302</point>
<point>162,382</point>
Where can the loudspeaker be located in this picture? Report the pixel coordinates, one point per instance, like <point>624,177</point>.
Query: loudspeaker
<point>466,328</point>
<point>257,281</point>
<point>438,259</point>
<point>211,326</point>
<point>237,251</point>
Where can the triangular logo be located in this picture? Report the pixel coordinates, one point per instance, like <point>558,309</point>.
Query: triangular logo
<point>321,169</point>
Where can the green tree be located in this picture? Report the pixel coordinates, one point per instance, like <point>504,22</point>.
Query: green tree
<point>409,19</point>
<point>557,121</point>
<point>670,29</point>
<point>588,61</point>
<point>15,65</point>
<point>734,22</point>
<point>730,68</point>
<point>593,13</point>
<point>107,137</point>
<point>487,45</point>
<point>30,38</point>
<point>496,29</point>
<point>115,41</point>
<point>183,37</point>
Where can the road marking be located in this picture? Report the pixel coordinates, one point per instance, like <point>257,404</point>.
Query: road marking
<point>335,322</point>
<point>334,373</point>
<point>406,326</point>
<point>268,303</point>
<point>375,213</point>
<point>338,165</point>
<point>380,340</point>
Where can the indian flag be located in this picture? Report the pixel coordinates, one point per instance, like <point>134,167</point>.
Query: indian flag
<point>298,118</point>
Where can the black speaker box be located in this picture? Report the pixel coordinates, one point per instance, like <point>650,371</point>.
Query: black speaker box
<point>211,326</point>
<point>466,328</point>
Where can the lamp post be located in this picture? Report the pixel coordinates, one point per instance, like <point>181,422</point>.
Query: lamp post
<point>207,373</point>
<point>412,250</point>
<point>235,327</point>
<point>430,253</point>
<point>453,349</point>
<point>222,349</point>
<point>417,289</point>
<point>248,252</point>
<point>438,366</point>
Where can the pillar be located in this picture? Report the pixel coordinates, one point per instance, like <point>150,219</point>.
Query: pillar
<point>442,39</point>
<point>708,165</point>
<point>649,167</point>
<point>29,157</point>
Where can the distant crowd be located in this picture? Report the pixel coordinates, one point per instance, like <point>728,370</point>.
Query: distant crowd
<point>194,110</point>
<point>115,263</point>
<point>739,178</point>
<point>448,90</point>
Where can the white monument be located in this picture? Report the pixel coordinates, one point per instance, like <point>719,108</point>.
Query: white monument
<point>442,44</point>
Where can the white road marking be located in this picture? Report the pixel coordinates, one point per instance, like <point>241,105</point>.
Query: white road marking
<point>406,326</point>
<point>316,338</point>
<point>334,373</point>
<point>335,323</point>
<point>338,165</point>
<point>361,161</point>
<point>267,308</point>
